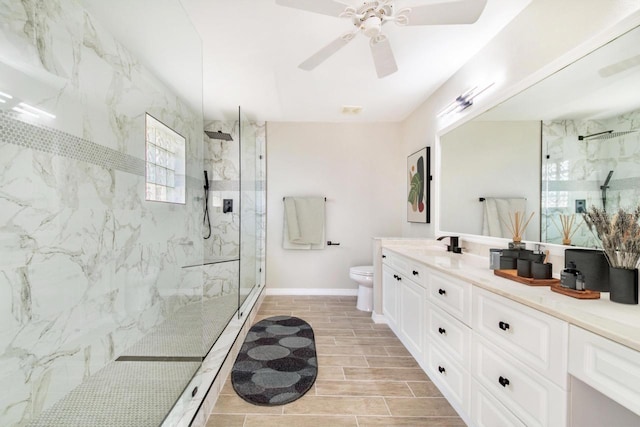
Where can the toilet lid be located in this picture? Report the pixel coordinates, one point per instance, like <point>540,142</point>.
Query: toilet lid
<point>362,270</point>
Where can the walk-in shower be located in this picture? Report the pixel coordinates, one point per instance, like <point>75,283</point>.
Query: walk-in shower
<point>109,301</point>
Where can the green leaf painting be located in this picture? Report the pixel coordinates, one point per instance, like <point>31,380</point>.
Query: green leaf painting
<point>416,185</point>
<point>418,178</point>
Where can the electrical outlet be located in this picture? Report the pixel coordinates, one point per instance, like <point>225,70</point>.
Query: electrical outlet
<point>227,205</point>
<point>581,205</point>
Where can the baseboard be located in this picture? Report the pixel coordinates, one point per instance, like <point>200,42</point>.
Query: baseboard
<point>315,291</point>
<point>378,318</point>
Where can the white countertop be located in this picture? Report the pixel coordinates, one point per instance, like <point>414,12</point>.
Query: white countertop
<point>617,322</point>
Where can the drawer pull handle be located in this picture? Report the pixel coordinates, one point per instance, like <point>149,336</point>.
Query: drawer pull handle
<point>415,273</point>
<point>399,278</point>
<point>384,256</point>
<point>395,276</point>
<point>503,381</point>
<point>442,370</point>
<point>442,291</point>
<point>442,331</point>
<point>504,326</point>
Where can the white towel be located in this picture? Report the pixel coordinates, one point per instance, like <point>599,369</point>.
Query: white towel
<point>303,223</point>
<point>495,209</point>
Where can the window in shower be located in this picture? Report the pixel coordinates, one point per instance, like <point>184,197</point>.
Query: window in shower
<point>165,162</point>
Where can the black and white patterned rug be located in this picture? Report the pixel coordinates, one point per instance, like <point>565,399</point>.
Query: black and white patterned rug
<point>277,362</point>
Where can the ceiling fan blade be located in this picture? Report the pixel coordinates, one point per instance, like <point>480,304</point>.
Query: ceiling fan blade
<point>447,13</point>
<point>323,54</point>
<point>383,57</point>
<point>324,7</point>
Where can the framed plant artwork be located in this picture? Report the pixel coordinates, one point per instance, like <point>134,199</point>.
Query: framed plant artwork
<point>418,188</point>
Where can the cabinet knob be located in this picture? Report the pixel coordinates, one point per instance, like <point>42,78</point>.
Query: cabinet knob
<point>395,276</point>
<point>442,291</point>
<point>398,278</point>
<point>503,325</point>
<point>415,273</point>
<point>442,370</point>
<point>384,256</point>
<point>442,331</point>
<point>503,381</point>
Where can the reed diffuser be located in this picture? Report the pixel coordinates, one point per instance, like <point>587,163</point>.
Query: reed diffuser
<point>567,231</point>
<point>517,225</point>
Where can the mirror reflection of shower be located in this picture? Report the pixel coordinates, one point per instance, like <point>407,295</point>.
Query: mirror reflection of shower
<point>206,221</point>
<point>604,187</point>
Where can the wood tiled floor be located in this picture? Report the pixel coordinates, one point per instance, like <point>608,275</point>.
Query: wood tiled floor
<point>365,376</point>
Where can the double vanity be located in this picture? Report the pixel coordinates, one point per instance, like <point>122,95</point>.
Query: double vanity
<point>504,353</point>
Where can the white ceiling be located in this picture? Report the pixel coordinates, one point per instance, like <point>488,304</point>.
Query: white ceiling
<point>252,49</point>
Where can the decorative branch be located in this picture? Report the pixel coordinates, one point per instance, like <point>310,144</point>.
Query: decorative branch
<point>619,234</point>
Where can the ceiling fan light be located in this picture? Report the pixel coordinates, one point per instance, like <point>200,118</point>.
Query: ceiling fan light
<point>372,26</point>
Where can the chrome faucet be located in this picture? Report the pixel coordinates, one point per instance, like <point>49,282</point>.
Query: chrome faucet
<point>453,244</point>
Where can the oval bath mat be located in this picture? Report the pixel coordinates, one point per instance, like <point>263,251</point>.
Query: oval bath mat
<point>277,362</point>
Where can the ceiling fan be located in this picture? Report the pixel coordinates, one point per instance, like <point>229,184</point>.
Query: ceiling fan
<point>369,18</point>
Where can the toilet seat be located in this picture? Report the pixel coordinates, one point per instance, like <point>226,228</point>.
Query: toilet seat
<point>362,270</point>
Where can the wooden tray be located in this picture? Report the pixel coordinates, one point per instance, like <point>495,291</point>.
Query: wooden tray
<point>586,294</point>
<point>513,275</point>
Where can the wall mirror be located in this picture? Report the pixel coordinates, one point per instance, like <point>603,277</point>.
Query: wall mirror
<point>564,144</point>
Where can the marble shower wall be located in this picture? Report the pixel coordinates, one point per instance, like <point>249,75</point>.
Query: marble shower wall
<point>87,266</point>
<point>576,169</point>
<point>222,161</point>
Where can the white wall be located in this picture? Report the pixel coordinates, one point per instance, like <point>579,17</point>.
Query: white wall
<point>545,36</point>
<point>489,159</point>
<point>360,169</point>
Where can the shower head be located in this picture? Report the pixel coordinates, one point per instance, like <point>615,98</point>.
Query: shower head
<point>219,135</point>
<point>609,134</point>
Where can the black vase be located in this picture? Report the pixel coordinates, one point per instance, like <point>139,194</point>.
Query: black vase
<point>624,285</point>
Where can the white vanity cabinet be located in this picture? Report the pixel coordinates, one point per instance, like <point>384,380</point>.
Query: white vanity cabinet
<point>447,310</point>
<point>608,367</point>
<point>403,290</point>
<point>390,296</point>
<point>505,354</point>
<point>519,355</point>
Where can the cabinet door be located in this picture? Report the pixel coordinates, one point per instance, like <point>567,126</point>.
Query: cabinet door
<point>532,398</point>
<point>389,295</point>
<point>411,316</point>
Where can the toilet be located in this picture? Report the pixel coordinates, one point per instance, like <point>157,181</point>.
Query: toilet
<point>363,275</point>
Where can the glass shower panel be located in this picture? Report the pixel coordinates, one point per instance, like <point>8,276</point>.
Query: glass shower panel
<point>248,216</point>
<point>99,322</point>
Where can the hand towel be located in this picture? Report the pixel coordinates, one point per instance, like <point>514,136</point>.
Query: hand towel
<point>304,223</point>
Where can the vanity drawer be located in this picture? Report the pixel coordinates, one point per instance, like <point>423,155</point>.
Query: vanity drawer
<point>533,399</point>
<point>451,295</point>
<point>610,368</point>
<point>410,269</point>
<point>535,338</point>
<point>449,334</point>
<point>487,411</point>
<point>451,376</point>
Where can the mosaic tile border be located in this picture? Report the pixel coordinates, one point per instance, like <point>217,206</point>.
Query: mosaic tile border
<point>56,142</point>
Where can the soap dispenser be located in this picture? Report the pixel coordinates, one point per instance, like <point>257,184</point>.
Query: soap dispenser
<point>569,275</point>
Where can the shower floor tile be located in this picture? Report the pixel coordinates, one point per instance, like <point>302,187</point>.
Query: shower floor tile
<point>185,334</point>
<point>122,394</point>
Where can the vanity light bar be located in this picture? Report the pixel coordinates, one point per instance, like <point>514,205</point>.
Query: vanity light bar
<point>464,100</point>
<point>35,110</point>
